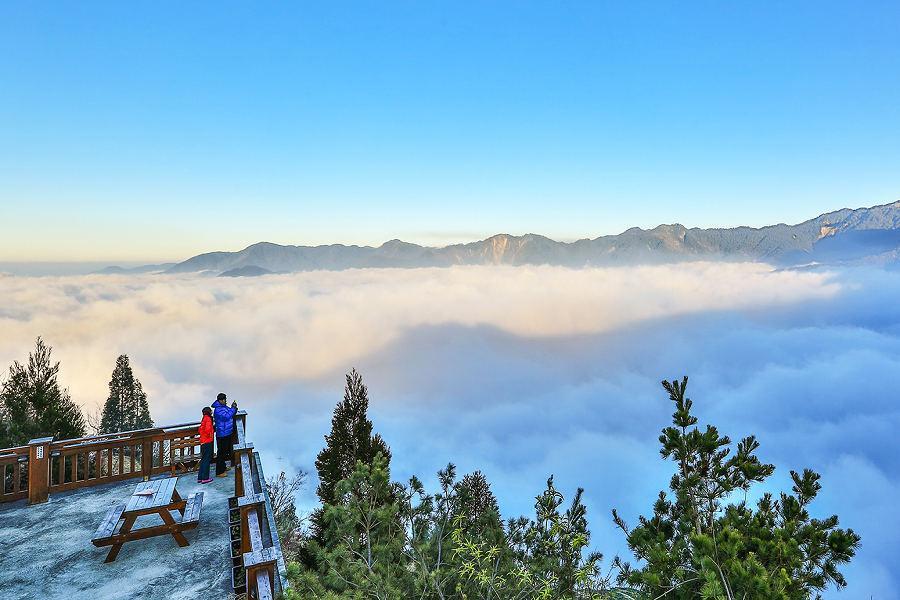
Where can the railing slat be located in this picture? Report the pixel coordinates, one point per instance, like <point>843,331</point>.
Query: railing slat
<point>263,587</point>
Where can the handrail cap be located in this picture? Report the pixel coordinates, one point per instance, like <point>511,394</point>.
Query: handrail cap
<point>262,556</point>
<point>251,500</point>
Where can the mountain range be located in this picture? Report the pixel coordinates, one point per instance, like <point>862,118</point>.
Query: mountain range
<point>846,236</point>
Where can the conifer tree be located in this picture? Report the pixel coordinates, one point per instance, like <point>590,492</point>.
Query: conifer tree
<point>33,404</point>
<point>350,441</point>
<point>706,542</point>
<point>477,504</point>
<point>362,553</point>
<point>126,408</point>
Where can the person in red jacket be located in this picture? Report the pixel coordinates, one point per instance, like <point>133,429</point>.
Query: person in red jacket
<point>207,432</point>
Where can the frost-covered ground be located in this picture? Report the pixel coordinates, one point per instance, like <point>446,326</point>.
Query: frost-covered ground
<point>46,551</point>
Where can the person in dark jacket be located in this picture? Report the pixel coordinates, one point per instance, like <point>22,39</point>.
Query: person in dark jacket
<point>207,433</point>
<point>224,418</point>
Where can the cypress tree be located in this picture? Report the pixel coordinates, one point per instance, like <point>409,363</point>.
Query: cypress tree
<point>126,407</point>
<point>349,441</point>
<point>33,404</point>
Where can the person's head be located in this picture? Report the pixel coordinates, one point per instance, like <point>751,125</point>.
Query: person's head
<point>221,398</point>
<point>207,411</point>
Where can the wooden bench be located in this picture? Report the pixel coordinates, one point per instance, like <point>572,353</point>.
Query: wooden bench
<point>108,526</point>
<point>182,455</point>
<point>192,511</point>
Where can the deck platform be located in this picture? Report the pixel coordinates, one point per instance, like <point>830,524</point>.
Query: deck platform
<point>46,550</point>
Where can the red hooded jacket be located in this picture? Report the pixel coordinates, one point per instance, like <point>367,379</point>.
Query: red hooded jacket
<point>207,431</point>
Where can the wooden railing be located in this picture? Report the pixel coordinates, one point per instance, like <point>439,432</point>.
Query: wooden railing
<point>262,558</point>
<point>13,474</point>
<point>45,466</point>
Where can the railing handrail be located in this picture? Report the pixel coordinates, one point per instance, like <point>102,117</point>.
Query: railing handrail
<point>14,451</point>
<point>123,435</point>
<point>261,563</point>
<point>112,436</point>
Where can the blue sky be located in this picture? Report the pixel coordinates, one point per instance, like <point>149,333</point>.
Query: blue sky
<point>156,131</point>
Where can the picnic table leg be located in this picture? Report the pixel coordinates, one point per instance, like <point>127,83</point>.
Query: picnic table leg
<point>176,497</point>
<point>114,551</point>
<point>179,537</point>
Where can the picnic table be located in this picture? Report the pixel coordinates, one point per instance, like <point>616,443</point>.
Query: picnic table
<point>159,497</point>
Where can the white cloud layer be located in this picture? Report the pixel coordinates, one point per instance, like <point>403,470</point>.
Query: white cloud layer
<point>520,372</point>
<point>283,328</point>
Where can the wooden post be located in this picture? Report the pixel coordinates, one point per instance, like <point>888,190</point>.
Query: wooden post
<point>238,480</point>
<point>242,417</point>
<point>39,470</point>
<point>147,458</point>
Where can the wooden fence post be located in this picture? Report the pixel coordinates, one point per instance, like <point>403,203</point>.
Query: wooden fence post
<point>147,458</point>
<point>241,416</point>
<point>39,470</point>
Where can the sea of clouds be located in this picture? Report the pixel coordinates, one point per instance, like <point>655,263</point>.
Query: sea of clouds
<point>521,372</point>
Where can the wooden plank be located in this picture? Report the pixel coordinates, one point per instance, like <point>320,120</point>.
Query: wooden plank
<point>109,523</point>
<point>166,491</point>
<point>251,500</point>
<point>263,585</point>
<point>136,503</point>
<point>246,475</point>
<point>241,434</point>
<point>135,534</point>
<point>192,509</point>
<point>261,557</point>
<point>254,530</point>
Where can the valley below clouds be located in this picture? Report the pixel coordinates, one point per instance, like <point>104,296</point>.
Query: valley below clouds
<point>521,372</point>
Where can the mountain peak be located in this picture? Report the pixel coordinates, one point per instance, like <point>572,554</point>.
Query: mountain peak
<point>837,236</point>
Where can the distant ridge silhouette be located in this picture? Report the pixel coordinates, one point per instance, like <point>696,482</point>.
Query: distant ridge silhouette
<point>846,236</point>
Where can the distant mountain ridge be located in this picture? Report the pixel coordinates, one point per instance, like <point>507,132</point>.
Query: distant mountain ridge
<point>868,235</point>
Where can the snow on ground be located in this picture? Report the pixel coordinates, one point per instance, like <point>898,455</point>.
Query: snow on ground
<point>46,550</point>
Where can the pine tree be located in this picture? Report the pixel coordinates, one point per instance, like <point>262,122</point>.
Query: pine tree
<point>362,553</point>
<point>350,440</point>
<point>126,408</point>
<point>33,404</point>
<point>477,504</point>
<point>704,542</point>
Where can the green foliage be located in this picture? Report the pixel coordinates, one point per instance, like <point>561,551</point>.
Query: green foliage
<point>350,441</point>
<point>126,408</point>
<point>541,559</point>
<point>384,541</point>
<point>362,542</point>
<point>555,547</point>
<point>703,544</point>
<point>33,405</point>
<point>380,540</point>
<point>388,541</point>
<point>435,523</point>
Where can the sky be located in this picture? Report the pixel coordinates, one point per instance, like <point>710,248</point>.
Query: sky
<point>520,372</point>
<point>156,131</point>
